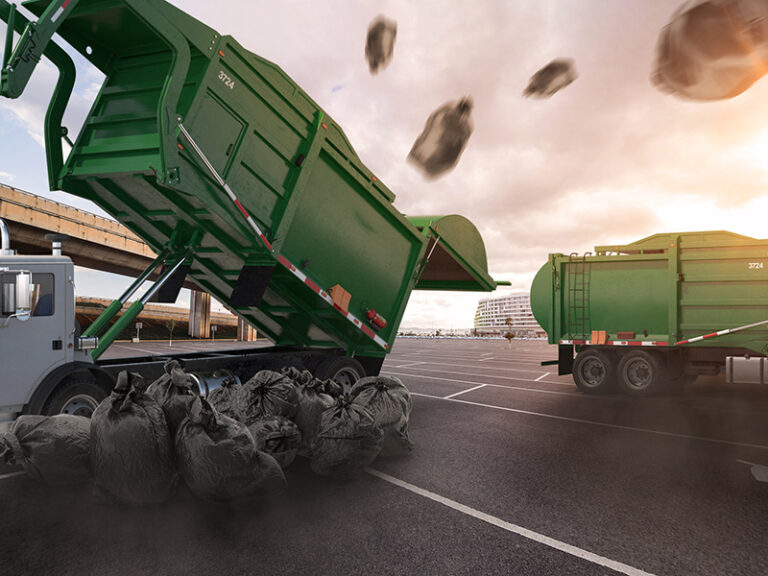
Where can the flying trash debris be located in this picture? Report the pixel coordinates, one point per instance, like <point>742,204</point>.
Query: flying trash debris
<point>380,43</point>
<point>552,78</point>
<point>712,49</point>
<point>438,148</point>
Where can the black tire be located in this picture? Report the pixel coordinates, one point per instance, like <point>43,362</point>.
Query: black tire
<point>78,397</point>
<point>342,370</point>
<point>642,373</point>
<point>594,371</point>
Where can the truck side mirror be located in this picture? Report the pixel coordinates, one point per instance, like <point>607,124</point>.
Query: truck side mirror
<point>23,295</point>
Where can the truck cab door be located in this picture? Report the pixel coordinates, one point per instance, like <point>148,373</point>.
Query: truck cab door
<point>30,349</point>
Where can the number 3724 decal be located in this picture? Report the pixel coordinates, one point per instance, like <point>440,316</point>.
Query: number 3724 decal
<point>228,82</point>
<point>756,265</point>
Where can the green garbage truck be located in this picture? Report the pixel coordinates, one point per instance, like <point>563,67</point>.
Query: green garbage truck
<point>238,181</point>
<point>654,314</point>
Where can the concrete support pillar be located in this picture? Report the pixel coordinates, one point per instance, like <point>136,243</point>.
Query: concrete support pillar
<point>200,314</point>
<point>245,332</point>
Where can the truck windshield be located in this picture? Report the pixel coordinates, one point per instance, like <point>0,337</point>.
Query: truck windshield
<point>42,300</point>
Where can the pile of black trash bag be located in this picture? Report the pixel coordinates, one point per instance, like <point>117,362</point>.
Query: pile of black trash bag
<point>146,439</point>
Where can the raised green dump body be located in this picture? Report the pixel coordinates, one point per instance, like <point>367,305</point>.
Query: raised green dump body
<point>695,297</point>
<point>218,160</point>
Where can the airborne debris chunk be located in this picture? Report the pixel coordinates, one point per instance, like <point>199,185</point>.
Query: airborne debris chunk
<point>131,448</point>
<point>552,78</point>
<point>218,459</point>
<point>712,49</point>
<point>380,43</point>
<point>54,450</point>
<point>439,146</point>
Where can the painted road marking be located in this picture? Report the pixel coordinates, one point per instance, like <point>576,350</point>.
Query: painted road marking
<point>568,384</point>
<point>573,394</point>
<point>593,423</point>
<point>12,475</point>
<point>759,472</point>
<point>540,378</point>
<point>467,390</point>
<point>409,365</point>
<point>513,528</point>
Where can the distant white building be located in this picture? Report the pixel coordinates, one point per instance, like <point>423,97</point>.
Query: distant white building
<point>507,314</point>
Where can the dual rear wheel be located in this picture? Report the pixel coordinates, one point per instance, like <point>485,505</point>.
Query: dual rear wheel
<point>635,372</point>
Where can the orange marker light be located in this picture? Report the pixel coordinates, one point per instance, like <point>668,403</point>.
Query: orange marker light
<point>324,125</point>
<point>221,53</point>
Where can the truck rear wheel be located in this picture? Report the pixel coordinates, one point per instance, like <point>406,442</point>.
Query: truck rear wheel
<point>341,369</point>
<point>594,371</point>
<point>76,397</point>
<point>642,373</point>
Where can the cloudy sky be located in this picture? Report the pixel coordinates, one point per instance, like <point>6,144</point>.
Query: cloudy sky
<point>607,160</point>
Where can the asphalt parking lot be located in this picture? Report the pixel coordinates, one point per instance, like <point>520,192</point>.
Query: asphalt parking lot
<point>514,472</point>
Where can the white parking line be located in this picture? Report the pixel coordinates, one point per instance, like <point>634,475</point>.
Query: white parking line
<point>540,378</point>
<point>409,365</point>
<point>11,475</point>
<point>465,391</point>
<point>522,388</point>
<point>513,528</point>
<point>443,371</point>
<point>603,424</point>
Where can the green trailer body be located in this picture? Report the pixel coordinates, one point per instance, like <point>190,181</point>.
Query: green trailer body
<point>236,177</point>
<point>696,297</point>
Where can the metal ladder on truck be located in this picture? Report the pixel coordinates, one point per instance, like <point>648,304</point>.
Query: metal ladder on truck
<point>579,326</point>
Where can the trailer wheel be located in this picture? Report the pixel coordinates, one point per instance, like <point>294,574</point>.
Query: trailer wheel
<point>594,371</point>
<point>342,369</point>
<point>76,397</point>
<point>642,373</point>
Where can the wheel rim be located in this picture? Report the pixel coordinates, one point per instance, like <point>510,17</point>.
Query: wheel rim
<point>638,374</point>
<point>346,377</point>
<point>80,405</point>
<point>593,372</point>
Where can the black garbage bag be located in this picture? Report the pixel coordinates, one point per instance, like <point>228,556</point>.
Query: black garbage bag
<point>226,399</point>
<point>551,78</point>
<point>174,392</point>
<point>313,400</point>
<point>348,441</point>
<point>218,459</point>
<point>268,393</point>
<point>278,437</point>
<point>445,135</point>
<point>380,43</point>
<point>298,377</point>
<point>389,402</point>
<point>54,450</point>
<point>131,448</point>
<point>712,49</point>
<point>332,388</point>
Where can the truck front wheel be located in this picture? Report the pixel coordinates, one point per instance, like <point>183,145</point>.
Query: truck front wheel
<point>594,371</point>
<point>74,396</point>
<point>642,373</point>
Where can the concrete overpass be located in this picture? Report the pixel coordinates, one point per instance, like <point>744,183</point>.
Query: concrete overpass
<point>94,242</point>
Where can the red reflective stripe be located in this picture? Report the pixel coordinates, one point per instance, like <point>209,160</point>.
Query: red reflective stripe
<point>312,285</point>
<point>264,239</point>
<point>284,262</point>
<point>710,335</point>
<point>683,342</point>
<point>66,3</point>
<point>579,342</point>
<point>368,332</point>
<point>661,343</point>
<point>634,343</point>
<point>340,309</point>
<point>241,208</point>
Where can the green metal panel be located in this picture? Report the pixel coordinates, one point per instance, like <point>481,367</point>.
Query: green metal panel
<point>668,287</point>
<point>183,109</point>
